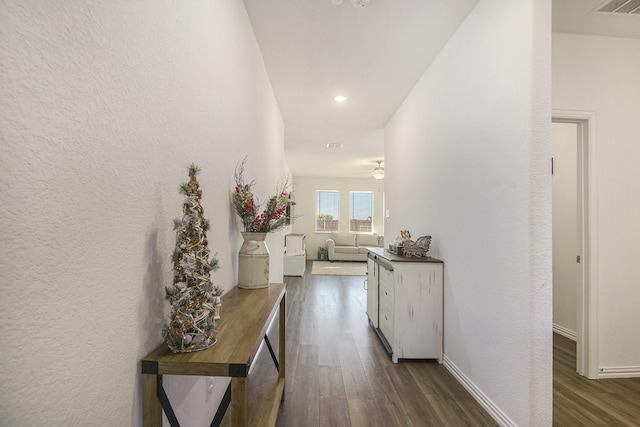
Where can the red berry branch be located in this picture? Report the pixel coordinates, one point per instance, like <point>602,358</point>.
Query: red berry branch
<point>247,206</point>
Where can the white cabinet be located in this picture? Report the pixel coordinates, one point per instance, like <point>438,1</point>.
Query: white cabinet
<point>295,243</point>
<point>404,304</point>
<point>295,248</point>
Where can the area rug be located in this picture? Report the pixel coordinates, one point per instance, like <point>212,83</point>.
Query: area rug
<point>339,268</point>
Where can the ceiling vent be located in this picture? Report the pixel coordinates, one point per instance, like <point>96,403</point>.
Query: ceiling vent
<point>624,7</point>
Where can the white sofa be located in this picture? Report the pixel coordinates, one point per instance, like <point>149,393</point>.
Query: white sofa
<point>351,247</point>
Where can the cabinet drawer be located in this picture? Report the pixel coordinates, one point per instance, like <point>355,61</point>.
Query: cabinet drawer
<point>386,278</point>
<point>386,327</point>
<point>387,310</point>
<point>386,300</point>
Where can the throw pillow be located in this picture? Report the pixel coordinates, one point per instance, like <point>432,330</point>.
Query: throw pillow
<point>344,239</point>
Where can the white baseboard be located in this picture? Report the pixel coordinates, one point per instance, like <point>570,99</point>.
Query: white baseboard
<point>603,373</point>
<point>493,410</point>
<point>565,332</point>
<point>619,372</point>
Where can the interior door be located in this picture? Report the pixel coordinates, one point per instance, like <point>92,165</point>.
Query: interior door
<point>565,228</point>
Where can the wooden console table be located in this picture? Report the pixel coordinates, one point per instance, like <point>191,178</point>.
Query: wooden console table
<point>245,317</point>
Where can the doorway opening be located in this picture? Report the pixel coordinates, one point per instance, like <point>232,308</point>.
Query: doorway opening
<point>583,269</point>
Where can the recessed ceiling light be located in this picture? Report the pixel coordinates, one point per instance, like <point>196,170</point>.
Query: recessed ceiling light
<point>360,3</point>
<point>340,98</point>
<point>335,145</point>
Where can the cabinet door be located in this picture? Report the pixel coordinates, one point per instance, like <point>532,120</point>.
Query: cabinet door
<point>372,291</point>
<point>418,311</point>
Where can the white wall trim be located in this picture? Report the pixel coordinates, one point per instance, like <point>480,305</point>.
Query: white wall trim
<point>587,328</point>
<point>484,400</point>
<point>620,372</point>
<point>564,332</point>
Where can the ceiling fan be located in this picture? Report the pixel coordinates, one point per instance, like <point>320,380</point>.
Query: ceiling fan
<point>378,171</point>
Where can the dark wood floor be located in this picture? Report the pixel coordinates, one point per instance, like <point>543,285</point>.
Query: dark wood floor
<point>338,373</point>
<point>578,401</point>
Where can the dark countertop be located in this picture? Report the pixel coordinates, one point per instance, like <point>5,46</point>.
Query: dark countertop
<point>381,252</point>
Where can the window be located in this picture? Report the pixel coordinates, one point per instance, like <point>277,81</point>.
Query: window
<point>361,212</point>
<point>327,210</point>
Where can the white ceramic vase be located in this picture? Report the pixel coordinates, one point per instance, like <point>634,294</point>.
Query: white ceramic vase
<point>253,262</point>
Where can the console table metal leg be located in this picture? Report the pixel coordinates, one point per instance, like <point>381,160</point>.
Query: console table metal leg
<point>273,355</point>
<point>282,344</point>
<point>166,405</point>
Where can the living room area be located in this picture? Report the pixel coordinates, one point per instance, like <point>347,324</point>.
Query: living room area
<point>305,191</point>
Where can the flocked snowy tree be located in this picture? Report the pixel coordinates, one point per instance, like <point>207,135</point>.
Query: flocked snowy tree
<point>193,298</point>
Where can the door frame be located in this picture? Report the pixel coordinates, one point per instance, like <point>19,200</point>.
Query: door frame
<point>587,308</point>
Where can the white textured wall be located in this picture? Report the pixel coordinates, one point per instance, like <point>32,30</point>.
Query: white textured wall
<point>467,158</point>
<point>600,75</point>
<point>565,227</point>
<point>305,189</point>
<point>103,107</point>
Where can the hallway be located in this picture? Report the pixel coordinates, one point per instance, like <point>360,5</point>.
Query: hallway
<point>580,401</point>
<point>339,374</point>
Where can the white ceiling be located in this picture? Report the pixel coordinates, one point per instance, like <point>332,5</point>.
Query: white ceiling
<point>316,49</point>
